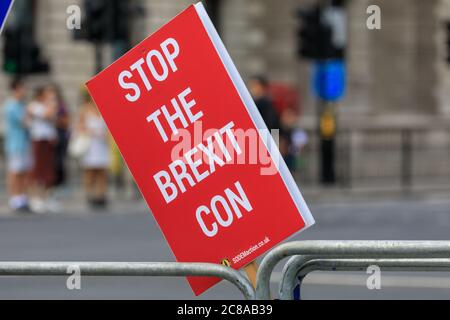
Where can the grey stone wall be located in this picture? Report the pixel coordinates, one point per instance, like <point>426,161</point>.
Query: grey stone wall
<point>396,71</point>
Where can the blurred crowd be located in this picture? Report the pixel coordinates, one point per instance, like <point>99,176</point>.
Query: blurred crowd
<point>41,134</point>
<point>38,137</point>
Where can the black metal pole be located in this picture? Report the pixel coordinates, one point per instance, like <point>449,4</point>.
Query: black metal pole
<point>327,135</point>
<point>406,160</point>
<point>98,57</point>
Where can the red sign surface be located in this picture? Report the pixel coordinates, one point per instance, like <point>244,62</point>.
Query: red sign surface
<point>177,109</point>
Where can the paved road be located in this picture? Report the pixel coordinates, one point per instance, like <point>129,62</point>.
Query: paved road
<point>129,233</point>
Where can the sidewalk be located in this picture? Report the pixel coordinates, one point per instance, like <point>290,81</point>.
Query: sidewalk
<point>72,202</point>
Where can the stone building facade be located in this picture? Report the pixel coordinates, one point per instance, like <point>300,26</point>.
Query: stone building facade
<point>397,75</point>
<point>397,71</point>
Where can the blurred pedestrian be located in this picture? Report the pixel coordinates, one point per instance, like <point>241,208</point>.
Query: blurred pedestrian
<point>62,132</point>
<point>258,86</point>
<point>96,159</point>
<point>17,147</point>
<point>259,89</point>
<point>43,111</point>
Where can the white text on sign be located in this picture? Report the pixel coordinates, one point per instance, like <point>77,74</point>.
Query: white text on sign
<point>155,64</point>
<point>196,164</point>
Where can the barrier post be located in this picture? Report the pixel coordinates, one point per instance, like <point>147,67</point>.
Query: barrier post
<point>297,268</point>
<point>347,249</point>
<point>251,270</point>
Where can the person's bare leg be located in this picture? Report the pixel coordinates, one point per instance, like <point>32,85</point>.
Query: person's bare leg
<point>38,190</point>
<point>17,190</point>
<point>12,184</point>
<point>88,181</point>
<point>9,183</point>
<point>102,183</point>
<point>22,190</point>
<point>22,183</point>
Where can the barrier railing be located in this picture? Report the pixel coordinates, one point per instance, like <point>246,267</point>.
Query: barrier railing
<point>154,269</point>
<point>298,267</point>
<point>405,158</point>
<point>347,249</point>
<point>309,256</point>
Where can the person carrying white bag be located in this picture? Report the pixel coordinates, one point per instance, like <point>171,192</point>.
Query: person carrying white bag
<point>89,144</point>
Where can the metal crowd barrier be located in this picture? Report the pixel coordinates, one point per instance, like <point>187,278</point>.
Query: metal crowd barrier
<point>154,269</point>
<point>298,267</point>
<point>347,250</point>
<point>310,256</point>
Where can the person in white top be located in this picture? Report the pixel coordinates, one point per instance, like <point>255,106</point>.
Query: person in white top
<point>96,159</point>
<point>42,114</point>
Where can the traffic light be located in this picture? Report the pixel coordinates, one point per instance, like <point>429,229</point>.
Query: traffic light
<point>11,51</point>
<point>313,35</point>
<point>21,51</point>
<point>98,20</point>
<point>22,54</point>
<point>321,34</point>
<point>105,21</point>
<point>121,12</point>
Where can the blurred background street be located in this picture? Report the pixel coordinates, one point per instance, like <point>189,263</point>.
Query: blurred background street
<point>129,233</point>
<point>369,148</point>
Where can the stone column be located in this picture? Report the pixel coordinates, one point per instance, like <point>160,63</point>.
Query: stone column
<point>442,67</point>
<point>359,78</point>
<point>402,57</point>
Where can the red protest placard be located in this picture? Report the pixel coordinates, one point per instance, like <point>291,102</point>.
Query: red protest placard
<point>188,130</point>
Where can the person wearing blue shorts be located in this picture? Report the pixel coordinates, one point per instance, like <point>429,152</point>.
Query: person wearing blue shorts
<point>17,147</point>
